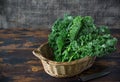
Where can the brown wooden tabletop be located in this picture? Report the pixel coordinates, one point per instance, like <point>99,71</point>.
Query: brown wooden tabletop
<point>18,64</point>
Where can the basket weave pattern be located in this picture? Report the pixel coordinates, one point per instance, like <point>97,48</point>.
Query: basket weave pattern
<point>61,69</point>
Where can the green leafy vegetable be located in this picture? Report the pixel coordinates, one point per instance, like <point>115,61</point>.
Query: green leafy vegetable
<point>74,37</point>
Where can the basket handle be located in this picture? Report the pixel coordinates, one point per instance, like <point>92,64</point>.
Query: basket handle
<point>36,53</point>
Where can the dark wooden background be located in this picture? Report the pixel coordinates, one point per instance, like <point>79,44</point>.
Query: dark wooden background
<point>42,13</point>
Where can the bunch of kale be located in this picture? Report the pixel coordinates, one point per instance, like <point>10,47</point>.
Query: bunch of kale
<point>74,37</point>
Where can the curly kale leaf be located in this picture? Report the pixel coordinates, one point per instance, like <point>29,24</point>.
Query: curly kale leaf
<point>77,37</point>
<point>76,26</point>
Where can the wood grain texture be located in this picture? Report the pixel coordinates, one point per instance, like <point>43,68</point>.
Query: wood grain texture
<point>42,13</point>
<point>18,64</point>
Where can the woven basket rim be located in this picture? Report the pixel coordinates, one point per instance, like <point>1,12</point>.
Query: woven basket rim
<point>38,54</point>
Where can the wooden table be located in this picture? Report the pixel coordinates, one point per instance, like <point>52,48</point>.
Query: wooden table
<point>18,64</point>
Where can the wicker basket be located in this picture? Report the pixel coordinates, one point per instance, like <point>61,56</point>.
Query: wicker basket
<point>61,69</point>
